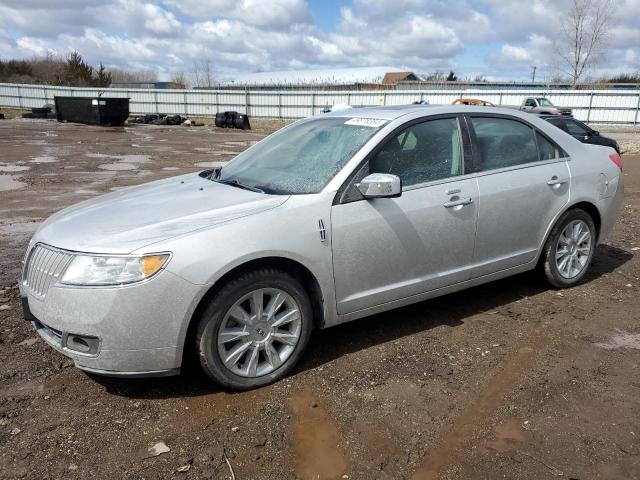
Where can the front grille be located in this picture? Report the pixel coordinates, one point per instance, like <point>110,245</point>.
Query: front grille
<point>43,268</point>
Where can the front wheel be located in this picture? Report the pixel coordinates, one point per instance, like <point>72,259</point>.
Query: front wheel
<point>569,249</point>
<point>254,330</point>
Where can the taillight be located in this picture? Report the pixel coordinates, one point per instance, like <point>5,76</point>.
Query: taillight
<point>615,158</point>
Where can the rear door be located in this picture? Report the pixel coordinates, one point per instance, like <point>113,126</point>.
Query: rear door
<point>386,249</point>
<point>523,182</point>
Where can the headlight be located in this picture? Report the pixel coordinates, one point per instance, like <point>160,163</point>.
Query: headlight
<point>104,270</point>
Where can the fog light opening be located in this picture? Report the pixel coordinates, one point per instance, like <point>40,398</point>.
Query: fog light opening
<point>78,343</point>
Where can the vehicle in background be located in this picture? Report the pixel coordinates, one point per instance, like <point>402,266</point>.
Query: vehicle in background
<point>472,101</point>
<point>540,105</point>
<point>581,131</point>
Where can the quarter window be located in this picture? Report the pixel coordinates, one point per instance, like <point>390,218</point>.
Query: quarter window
<point>546,149</point>
<point>504,143</point>
<point>423,152</point>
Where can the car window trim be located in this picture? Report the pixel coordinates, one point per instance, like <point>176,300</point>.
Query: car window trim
<point>466,154</point>
<point>563,156</point>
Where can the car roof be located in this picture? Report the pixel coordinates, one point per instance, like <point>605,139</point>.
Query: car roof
<point>393,112</point>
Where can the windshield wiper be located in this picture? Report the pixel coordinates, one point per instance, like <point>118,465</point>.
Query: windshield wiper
<point>236,183</point>
<point>212,174</point>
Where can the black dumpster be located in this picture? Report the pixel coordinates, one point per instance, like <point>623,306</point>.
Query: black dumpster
<point>92,110</point>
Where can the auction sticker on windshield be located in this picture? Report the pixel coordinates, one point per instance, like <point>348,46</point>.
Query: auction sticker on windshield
<point>366,122</point>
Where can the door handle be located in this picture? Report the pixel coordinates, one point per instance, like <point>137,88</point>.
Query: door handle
<point>556,181</point>
<point>459,202</point>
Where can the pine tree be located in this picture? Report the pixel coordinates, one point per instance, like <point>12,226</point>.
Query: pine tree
<point>77,72</point>
<point>103,78</point>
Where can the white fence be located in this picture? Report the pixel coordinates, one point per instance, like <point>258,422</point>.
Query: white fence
<point>600,106</point>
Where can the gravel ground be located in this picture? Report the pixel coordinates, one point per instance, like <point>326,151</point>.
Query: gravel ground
<point>628,136</point>
<point>507,380</point>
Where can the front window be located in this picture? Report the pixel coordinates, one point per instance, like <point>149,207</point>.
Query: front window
<point>302,158</point>
<point>544,102</point>
<point>423,152</point>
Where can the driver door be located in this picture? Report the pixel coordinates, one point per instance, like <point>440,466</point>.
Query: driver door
<point>387,249</point>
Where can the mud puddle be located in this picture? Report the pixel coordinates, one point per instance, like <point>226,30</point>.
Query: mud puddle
<point>449,450</point>
<point>5,167</point>
<point>210,164</point>
<point>621,339</point>
<point>117,166</point>
<point>44,159</point>
<point>9,182</point>
<point>315,439</point>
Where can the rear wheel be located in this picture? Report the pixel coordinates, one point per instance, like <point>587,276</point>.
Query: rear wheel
<point>254,330</point>
<point>569,249</point>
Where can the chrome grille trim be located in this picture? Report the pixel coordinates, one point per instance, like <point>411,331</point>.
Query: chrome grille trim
<point>43,268</point>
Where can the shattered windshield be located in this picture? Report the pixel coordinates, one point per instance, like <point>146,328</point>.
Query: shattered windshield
<point>302,158</point>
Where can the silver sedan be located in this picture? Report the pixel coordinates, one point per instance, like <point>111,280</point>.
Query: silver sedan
<point>330,219</point>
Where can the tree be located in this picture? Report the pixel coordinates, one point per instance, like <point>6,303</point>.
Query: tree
<point>179,80</point>
<point>452,77</point>
<point>77,72</point>
<point>583,35</point>
<point>203,73</point>
<point>119,75</point>
<point>103,78</point>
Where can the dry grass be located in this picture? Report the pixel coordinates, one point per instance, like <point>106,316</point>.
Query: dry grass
<point>260,125</point>
<point>13,112</point>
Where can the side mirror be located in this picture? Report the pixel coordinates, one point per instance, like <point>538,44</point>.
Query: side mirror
<point>380,185</point>
<point>595,133</point>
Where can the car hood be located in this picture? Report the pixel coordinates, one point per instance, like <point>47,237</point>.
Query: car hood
<point>131,218</point>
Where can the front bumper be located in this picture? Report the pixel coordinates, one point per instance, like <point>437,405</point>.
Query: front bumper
<point>138,329</point>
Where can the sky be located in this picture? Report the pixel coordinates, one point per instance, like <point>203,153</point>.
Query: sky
<point>498,39</point>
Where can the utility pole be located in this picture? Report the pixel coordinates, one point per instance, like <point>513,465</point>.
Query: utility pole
<point>533,73</point>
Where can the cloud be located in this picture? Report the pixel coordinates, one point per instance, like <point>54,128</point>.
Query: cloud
<point>501,38</point>
<point>368,35</point>
<point>510,53</point>
<point>270,14</point>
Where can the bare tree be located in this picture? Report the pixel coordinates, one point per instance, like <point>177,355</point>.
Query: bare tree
<point>583,35</point>
<point>179,80</point>
<point>203,73</point>
<point>120,75</point>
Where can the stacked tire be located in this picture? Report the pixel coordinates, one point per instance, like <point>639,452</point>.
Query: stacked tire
<point>232,120</point>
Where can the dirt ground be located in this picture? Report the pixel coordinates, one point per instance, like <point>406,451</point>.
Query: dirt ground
<point>507,380</point>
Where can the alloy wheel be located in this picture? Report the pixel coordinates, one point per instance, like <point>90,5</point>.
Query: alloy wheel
<point>259,332</point>
<point>573,249</point>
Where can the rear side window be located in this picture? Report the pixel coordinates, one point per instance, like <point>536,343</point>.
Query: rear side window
<point>575,128</point>
<point>423,152</point>
<point>504,143</point>
<point>558,123</point>
<point>546,149</point>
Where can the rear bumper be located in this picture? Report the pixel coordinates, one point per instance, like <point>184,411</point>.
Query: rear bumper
<point>610,209</point>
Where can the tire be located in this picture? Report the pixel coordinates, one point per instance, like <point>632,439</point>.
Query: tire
<point>563,273</point>
<point>218,325</point>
